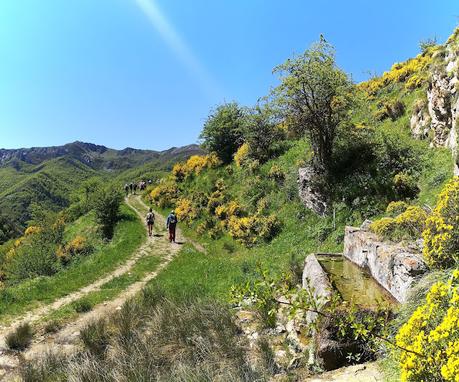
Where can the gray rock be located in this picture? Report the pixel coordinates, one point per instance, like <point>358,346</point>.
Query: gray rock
<point>392,265</point>
<point>316,281</point>
<point>309,195</point>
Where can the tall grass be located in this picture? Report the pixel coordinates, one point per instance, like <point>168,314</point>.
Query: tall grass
<point>156,338</point>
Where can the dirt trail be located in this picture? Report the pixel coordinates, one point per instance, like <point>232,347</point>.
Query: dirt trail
<point>67,337</point>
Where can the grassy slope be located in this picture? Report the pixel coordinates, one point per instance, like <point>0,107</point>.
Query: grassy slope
<point>129,234</point>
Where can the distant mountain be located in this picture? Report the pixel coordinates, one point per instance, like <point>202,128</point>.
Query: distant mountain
<point>95,156</point>
<point>48,175</point>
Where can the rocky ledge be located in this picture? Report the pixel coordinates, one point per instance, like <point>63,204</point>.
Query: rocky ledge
<point>393,265</point>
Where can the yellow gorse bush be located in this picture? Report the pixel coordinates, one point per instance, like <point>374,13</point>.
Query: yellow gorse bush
<point>194,166</point>
<point>32,230</point>
<point>185,210</point>
<point>165,194</point>
<point>242,154</point>
<point>410,72</point>
<point>383,227</point>
<point>441,236</point>
<point>396,208</point>
<point>431,336</point>
<point>250,230</point>
<point>407,225</point>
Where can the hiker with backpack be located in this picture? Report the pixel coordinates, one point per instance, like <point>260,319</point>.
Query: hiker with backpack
<point>150,218</point>
<point>126,189</point>
<point>171,225</point>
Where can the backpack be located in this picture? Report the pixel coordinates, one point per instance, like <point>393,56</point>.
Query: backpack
<point>173,219</point>
<point>150,217</point>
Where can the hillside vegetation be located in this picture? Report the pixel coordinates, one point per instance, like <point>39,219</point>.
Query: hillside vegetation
<point>364,160</point>
<point>50,176</point>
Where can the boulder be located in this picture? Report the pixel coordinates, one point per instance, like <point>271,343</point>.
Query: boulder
<point>311,197</point>
<point>393,265</point>
<point>316,281</point>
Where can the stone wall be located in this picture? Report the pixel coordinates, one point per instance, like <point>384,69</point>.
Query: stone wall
<point>392,265</point>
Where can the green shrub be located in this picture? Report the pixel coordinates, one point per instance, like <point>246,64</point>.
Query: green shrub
<point>107,207</point>
<point>82,306</point>
<point>20,338</point>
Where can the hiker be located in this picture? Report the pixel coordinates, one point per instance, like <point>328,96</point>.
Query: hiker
<point>150,218</point>
<point>135,188</point>
<point>131,186</point>
<point>171,224</point>
<point>126,189</point>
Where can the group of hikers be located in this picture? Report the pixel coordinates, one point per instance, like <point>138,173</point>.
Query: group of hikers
<point>171,221</point>
<point>131,188</point>
<point>171,224</point>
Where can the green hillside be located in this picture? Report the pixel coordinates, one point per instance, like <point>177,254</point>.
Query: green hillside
<point>49,176</point>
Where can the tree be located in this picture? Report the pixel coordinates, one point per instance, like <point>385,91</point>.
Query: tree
<point>222,132</point>
<point>107,207</point>
<point>263,135</point>
<point>316,95</point>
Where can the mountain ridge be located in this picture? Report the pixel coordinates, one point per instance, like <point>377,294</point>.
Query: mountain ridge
<point>93,155</point>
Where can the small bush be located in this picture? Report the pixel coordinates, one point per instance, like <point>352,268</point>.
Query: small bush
<point>20,338</point>
<point>242,155</point>
<point>405,186</point>
<point>441,236</point>
<point>82,306</point>
<point>431,336</point>
<point>396,208</point>
<point>107,207</point>
<point>383,227</point>
<point>165,194</point>
<point>277,174</point>
<point>52,326</point>
<point>185,210</point>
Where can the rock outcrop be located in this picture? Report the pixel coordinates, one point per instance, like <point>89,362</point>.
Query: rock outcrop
<point>436,117</point>
<point>394,266</point>
<point>311,197</point>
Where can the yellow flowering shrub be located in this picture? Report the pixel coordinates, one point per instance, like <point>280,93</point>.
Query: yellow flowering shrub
<point>217,197</point>
<point>165,194</point>
<point>32,230</point>
<point>276,173</point>
<point>242,154</point>
<point>412,221</point>
<point>441,235</point>
<point>226,211</point>
<point>408,72</point>
<point>194,166</point>
<point>395,208</point>
<point>185,210</point>
<point>407,225</point>
<point>383,227</point>
<point>250,230</point>
<point>77,246</point>
<point>431,336</point>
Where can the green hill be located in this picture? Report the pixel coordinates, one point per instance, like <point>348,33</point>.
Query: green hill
<point>49,176</point>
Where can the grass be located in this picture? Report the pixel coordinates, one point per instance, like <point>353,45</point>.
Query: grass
<point>107,291</point>
<point>155,338</point>
<point>20,338</point>
<point>129,235</point>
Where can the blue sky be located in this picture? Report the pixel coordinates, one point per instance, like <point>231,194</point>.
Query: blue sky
<point>145,73</point>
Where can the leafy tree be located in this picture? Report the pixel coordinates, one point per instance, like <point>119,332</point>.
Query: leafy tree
<point>263,135</point>
<point>107,209</point>
<point>316,95</point>
<point>223,129</point>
